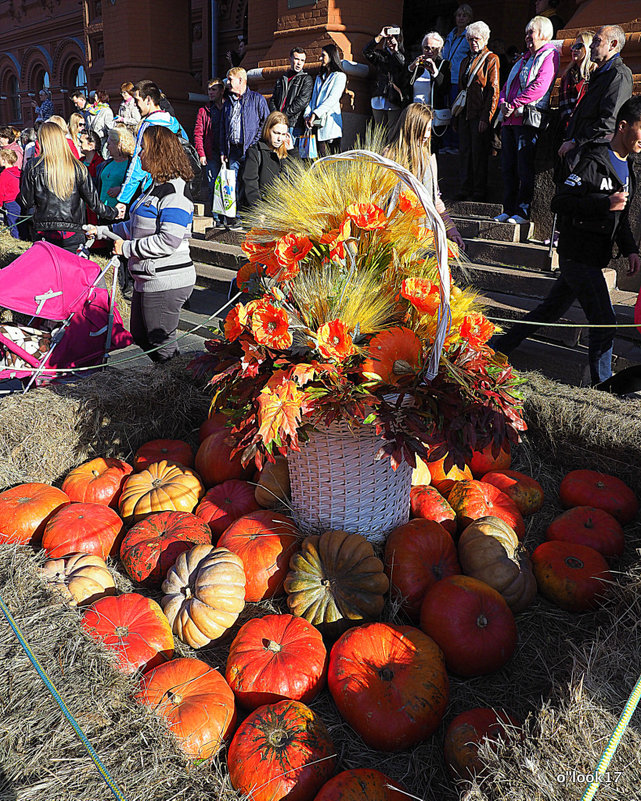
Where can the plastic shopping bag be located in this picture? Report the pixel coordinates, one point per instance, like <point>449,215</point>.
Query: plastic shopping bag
<point>307,148</point>
<point>224,196</point>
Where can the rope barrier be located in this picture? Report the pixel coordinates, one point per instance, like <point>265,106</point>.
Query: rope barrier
<point>563,325</point>
<point>613,742</point>
<point>58,699</point>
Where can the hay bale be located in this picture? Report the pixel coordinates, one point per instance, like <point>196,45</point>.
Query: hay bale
<point>49,430</point>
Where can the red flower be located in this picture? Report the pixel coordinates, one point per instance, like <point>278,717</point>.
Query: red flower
<point>367,216</point>
<point>292,248</point>
<point>422,294</point>
<point>334,341</point>
<point>247,271</point>
<point>476,329</point>
<point>235,322</point>
<point>408,203</point>
<point>270,325</point>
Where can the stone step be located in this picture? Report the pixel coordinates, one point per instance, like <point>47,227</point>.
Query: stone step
<point>200,223</point>
<point>217,279</point>
<point>219,254</point>
<point>513,280</point>
<point>487,228</point>
<point>196,315</point>
<point>225,235</point>
<point>510,254</point>
<point>472,208</point>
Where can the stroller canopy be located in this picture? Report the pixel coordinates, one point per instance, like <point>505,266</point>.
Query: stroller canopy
<point>47,281</point>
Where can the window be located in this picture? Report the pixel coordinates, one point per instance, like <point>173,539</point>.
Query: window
<point>80,80</point>
<point>14,98</point>
<point>46,81</point>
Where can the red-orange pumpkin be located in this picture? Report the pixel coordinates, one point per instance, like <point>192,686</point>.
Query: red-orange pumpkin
<point>25,510</point>
<point>428,503</point>
<point>97,481</point>
<point>276,657</point>
<point>590,488</point>
<point>471,622</point>
<point>225,503</point>
<point>134,628</point>
<point>83,528</point>
<point>417,555</point>
<point>213,423</point>
<point>171,450</point>
<point>362,784</point>
<point>586,525</point>
<point>265,541</point>
<point>281,751</point>
<point>465,734</point>
<point>389,683</point>
<point>572,576</point>
<point>525,491</point>
<point>194,701</point>
<point>473,499</point>
<point>444,481</point>
<point>214,462</point>
<point>489,458</point>
<point>152,545</point>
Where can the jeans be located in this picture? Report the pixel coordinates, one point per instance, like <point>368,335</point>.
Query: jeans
<point>154,320</point>
<point>517,165</point>
<point>12,214</point>
<point>576,281</point>
<point>235,163</point>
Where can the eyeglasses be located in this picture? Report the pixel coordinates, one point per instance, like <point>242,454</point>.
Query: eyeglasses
<point>577,47</point>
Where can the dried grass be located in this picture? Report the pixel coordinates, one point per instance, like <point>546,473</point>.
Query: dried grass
<point>569,678</point>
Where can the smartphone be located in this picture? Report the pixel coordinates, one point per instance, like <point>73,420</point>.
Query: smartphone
<point>393,31</point>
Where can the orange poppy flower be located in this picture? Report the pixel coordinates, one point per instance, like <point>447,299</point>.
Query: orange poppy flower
<point>408,203</point>
<point>367,216</point>
<point>422,294</point>
<point>235,322</point>
<point>334,341</point>
<point>393,354</point>
<point>292,248</point>
<point>247,271</point>
<point>476,329</point>
<point>270,326</point>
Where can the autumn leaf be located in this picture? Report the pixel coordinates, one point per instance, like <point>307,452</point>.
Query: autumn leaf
<point>279,411</point>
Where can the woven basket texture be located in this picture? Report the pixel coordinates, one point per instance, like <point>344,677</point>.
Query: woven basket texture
<point>337,484</point>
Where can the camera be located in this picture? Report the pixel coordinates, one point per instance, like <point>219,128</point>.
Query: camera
<point>393,31</point>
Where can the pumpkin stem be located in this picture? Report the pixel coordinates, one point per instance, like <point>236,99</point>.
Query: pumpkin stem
<point>573,562</point>
<point>174,698</point>
<point>402,367</point>
<point>121,631</point>
<point>274,647</point>
<point>387,674</point>
<point>157,482</point>
<point>481,621</point>
<point>278,738</point>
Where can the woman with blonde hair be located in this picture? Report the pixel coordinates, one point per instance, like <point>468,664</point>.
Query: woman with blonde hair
<point>62,124</point>
<point>57,186</point>
<point>575,78</point>
<point>410,147</point>
<point>266,159</point>
<point>77,127</point>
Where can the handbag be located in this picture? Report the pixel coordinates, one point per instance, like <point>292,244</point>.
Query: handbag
<point>307,147</point>
<point>442,116</point>
<point>534,117</point>
<point>224,195</point>
<point>461,98</point>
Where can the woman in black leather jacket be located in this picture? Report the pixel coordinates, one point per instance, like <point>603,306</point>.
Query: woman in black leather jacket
<point>57,186</point>
<point>391,91</point>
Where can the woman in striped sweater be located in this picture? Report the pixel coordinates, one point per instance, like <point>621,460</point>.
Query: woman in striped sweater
<point>155,241</point>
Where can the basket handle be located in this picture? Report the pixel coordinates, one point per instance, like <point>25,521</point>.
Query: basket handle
<point>440,239</point>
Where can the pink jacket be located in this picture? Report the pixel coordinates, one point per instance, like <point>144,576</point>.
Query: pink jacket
<point>16,146</point>
<point>541,71</point>
<point>9,184</point>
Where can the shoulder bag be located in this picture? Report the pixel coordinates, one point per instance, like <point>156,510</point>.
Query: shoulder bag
<point>461,98</point>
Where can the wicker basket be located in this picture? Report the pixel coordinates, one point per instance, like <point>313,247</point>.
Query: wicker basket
<point>336,484</point>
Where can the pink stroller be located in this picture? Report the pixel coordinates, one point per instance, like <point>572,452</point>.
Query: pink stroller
<point>75,320</point>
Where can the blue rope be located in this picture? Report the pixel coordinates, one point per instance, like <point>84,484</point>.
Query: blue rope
<point>50,686</point>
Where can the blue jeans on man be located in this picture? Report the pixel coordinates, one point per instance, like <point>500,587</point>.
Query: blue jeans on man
<point>576,281</point>
<point>517,166</point>
<point>235,162</point>
<point>212,168</point>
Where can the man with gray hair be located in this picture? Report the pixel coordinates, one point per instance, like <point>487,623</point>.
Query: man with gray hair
<point>610,86</point>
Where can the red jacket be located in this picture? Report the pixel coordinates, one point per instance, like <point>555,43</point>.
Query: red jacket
<point>9,184</point>
<point>207,132</point>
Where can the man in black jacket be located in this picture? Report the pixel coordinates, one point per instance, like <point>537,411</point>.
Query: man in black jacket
<point>593,206</point>
<point>293,92</point>
<point>609,87</point>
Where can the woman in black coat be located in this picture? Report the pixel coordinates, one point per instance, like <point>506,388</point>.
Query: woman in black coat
<point>390,94</point>
<point>267,158</point>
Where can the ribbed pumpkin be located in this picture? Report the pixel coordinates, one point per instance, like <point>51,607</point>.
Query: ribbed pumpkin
<point>152,545</point>
<point>214,461</point>
<point>97,481</point>
<point>194,701</point>
<point>83,528</point>
<point>157,450</point>
<point>281,751</point>
<point>473,499</point>
<point>81,578</point>
<point>524,490</point>
<point>276,657</point>
<point>273,483</point>
<point>162,487</point>
<point>25,510</point>
<point>393,354</point>
<point>204,593</point>
<point>336,581</point>
<point>427,502</point>
<point>443,480</point>
<point>489,550</point>
<point>224,503</point>
<point>591,488</point>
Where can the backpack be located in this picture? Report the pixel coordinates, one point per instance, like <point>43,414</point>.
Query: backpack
<point>194,162</point>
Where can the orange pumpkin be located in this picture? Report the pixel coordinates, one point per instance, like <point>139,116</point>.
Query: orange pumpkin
<point>488,459</point>
<point>194,701</point>
<point>97,481</point>
<point>163,487</point>
<point>171,450</point>
<point>427,503</point>
<point>465,734</point>
<point>474,499</point>
<point>25,510</point>
<point>362,784</point>
<point>574,577</point>
<point>525,491</point>
<point>213,423</point>
<point>444,481</point>
<point>83,528</point>
<point>214,461</point>
<point>421,476</point>
<point>393,354</point>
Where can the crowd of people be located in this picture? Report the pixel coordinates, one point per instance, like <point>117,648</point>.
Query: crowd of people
<point>136,170</point>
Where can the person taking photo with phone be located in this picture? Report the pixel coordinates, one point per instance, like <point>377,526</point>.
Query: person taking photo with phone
<point>386,54</point>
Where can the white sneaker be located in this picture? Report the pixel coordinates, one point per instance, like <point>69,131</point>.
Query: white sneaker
<point>516,218</point>
<point>502,217</point>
